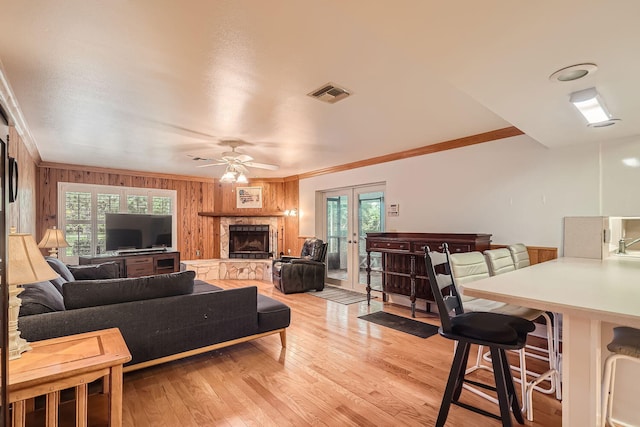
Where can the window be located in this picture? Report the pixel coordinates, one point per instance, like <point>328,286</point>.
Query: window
<point>82,209</point>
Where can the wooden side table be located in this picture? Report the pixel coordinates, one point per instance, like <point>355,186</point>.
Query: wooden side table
<point>72,361</point>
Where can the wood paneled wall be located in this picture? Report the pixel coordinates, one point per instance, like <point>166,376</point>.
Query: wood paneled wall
<point>291,241</point>
<point>274,199</point>
<point>22,212</point>
<point>537,254</point>
<point>198,236</point>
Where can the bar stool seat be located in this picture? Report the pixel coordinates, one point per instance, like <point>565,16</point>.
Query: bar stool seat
<point>624,346</point>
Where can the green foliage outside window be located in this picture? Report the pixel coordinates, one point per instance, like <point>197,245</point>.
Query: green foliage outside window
<point>137,204</point>
<point>107,203</point>
<point>78,228</point>
<point>161,205</point>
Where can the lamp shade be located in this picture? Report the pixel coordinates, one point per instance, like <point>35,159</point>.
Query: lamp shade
<point>53,238</point>
<point>26,263</point>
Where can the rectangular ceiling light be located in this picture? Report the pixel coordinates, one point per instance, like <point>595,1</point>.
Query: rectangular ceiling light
<point>591,105</point>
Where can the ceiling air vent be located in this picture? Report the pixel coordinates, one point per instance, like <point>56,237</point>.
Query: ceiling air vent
<point>329,93</point>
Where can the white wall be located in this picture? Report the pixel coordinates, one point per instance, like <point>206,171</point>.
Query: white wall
<point>515,189</point>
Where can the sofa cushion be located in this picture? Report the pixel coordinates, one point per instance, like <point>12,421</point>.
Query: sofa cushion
<point>91,293</point>
<point>60,268</point>
<point>272,314</point>
<point>58,282</point>
<point>106,270</point>
<point>41,297</point>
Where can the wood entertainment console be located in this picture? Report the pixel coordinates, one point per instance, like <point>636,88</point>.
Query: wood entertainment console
<point>403,268</point>
<point>139,264</point>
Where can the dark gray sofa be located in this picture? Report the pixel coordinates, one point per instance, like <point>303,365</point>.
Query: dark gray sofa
<point>164,328</point>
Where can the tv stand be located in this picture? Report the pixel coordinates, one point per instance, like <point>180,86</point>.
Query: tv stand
<point>141,251</point>
<point>135,264</point>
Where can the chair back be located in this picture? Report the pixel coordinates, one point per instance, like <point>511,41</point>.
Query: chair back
<point>520,255</point>
<point>468,267</point>
<point>314,249</point>
<point>499,261</point>
<point>440,278</point>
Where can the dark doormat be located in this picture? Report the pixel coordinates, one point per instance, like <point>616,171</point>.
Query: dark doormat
<point>403,324</point>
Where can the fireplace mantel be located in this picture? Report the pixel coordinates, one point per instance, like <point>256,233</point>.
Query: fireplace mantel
<point>240,214</point>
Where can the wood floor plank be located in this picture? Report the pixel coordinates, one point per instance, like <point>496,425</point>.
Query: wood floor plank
<point>337,370</point>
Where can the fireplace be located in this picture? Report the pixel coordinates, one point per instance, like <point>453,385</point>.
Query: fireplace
<point>249,241</point>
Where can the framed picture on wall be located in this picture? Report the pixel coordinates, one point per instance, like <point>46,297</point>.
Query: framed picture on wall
<point>249,197</point>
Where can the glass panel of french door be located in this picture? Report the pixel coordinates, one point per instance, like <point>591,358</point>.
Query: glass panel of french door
<point>370,219</point>
<point>350,213</point>
<point>337,231</point>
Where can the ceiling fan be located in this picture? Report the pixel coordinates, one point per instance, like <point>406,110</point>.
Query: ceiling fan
<point>236,163</point>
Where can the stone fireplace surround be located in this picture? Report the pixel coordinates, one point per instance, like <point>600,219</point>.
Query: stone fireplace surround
<point>236,268</point>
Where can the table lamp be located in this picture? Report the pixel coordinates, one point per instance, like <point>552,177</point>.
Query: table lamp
<point>25,265</point>
<point>52,240</point>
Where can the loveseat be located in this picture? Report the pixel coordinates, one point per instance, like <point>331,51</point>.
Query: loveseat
<point>161,318</point>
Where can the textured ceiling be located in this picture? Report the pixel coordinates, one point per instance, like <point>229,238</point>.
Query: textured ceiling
<point>143,84</point>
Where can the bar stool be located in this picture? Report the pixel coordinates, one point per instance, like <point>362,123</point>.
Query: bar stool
<point>470,266</point>
<point>499,332</point>
<point>624,346</point>
<point>520,256</point>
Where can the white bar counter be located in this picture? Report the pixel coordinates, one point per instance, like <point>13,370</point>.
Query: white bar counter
<point>589,293</point>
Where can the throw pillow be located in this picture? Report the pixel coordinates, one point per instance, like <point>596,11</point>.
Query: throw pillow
<point>91,293</point>
<point>57,283</point>
<point>41,297</point>
<point>59,267</point>
<point>106,270</point>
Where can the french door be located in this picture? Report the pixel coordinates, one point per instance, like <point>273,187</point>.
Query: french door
<point>349,214</point>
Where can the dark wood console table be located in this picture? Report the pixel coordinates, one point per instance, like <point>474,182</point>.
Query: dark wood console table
<point>139,264</point>
<point>403,268</point>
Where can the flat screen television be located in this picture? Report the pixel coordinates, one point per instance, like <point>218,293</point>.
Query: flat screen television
<point>137,231</point>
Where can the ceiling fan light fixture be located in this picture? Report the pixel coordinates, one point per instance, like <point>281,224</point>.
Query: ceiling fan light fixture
<point>229,176</point>
<point>242,179</point>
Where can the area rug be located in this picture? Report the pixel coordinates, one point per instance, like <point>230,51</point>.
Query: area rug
<point>339,295</point>
<point>399,323</point>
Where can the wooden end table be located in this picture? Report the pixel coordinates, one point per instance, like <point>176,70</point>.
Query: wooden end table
<point>72,361</point>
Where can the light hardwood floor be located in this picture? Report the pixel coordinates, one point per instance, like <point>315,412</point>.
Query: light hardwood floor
<point>337,370</point>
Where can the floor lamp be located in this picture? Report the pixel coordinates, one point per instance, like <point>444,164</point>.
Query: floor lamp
<point>52,240</point>
<point>25,265</point>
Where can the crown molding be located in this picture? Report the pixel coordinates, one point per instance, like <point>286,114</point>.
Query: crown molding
<point>480,138</point>
<point>16,119</point>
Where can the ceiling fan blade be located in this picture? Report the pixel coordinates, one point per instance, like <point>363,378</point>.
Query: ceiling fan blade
<point>198,158</point>
<point>211,164</point>
<point>262,166</point>
<point>244,158</point>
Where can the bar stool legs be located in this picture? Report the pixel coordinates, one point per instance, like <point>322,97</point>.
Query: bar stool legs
<point>625,346</point>
<point>507,397</point>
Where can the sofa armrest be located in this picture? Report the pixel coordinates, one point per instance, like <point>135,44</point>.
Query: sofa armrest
<point>284,259</point>
<point>304,261</point>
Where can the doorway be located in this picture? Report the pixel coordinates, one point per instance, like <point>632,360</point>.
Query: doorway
<point>349,214</point>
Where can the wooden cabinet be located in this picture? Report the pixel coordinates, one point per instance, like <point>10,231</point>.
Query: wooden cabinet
<point>136,265</point>
<point>403,268</point>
